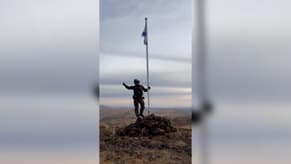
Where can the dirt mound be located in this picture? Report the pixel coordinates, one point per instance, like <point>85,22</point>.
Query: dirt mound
<point>150,125</point>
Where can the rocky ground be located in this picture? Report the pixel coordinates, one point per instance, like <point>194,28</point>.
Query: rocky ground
<point>153,139</point>
<point>150,125</point>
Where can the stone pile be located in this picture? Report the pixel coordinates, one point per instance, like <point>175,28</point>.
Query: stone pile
<point>150,125</point>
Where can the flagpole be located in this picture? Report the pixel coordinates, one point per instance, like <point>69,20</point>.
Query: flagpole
<point>202,80</point>
<point>147,64</point>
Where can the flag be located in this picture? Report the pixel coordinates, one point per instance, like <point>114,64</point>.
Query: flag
<point>145,34</point>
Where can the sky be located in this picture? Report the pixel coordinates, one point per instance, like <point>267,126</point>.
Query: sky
<point>48,66</point>
<point>123,56</point>
<point>247,49</point>
<point>48,45</point>
<point>249,77</point>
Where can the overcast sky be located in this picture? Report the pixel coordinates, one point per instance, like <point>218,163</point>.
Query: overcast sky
<point>48,46</point>
<point>122,55</point>
<point>48,65</point>
<point>248,47</point>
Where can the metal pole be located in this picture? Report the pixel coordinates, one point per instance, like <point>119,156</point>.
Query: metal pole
<point>202,80</point>
<point>201,50</point>
<point>147,63</point>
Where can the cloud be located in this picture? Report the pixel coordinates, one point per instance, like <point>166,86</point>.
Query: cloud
<point>169,26</point>
<point>115,69</point>
<point>118,9</point>
<point>48,46</point>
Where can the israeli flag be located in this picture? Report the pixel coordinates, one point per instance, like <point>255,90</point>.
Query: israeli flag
<point>145,34</point>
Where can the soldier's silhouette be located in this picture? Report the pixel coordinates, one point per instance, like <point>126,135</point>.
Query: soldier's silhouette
<point>138,99</point>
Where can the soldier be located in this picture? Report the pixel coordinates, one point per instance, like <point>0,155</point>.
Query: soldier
<point>138,90</point>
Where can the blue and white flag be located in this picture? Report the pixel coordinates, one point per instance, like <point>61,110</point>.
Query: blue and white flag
<point>145,34</point>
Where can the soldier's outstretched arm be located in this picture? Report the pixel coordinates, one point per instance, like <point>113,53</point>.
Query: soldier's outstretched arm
<point>126,86</point>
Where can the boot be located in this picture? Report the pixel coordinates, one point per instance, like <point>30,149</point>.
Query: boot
<point>136,112</point>
<point>141,112</point>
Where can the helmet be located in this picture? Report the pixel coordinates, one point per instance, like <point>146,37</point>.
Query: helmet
<point>136,81</point>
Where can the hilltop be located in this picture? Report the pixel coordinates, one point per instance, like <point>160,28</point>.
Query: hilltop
<point>170,147</point>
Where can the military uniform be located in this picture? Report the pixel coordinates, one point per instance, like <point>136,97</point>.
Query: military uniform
<point>138,98</point>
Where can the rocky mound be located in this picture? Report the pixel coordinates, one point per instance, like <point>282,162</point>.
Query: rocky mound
<point>150,125</point>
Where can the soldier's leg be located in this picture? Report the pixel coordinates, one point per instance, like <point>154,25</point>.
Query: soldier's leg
<point>141,106</point>
<point>135,102</point>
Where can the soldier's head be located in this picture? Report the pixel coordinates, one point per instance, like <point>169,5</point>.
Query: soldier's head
<point>136,81</point>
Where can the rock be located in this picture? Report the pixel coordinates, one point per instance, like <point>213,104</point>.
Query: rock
<point>157,131</point>
<point>150,125</point>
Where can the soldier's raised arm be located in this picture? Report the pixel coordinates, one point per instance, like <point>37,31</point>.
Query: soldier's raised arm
<point>126,86</point>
